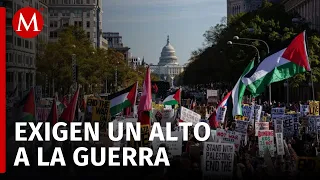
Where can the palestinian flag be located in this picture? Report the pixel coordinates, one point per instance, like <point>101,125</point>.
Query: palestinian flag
<point>173,98</point>
<point>279,66</point>
<point>123,99</point>
<point>238,92</point>
<point>28,107</point>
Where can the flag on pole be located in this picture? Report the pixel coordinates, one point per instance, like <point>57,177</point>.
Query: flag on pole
<point>238,92</point>
<point>173,98</point>
<point>145,105</point>
<point>68,113</point>
<point>279,66</point>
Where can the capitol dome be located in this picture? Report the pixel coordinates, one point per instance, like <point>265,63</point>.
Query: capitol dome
<point>168,55</point>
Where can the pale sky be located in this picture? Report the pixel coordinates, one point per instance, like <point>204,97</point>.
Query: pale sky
<point>145,24</point>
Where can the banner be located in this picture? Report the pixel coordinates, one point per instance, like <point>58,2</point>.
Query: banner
<point>218,160</point>
<point>189,116</point>
<point>265,139</point>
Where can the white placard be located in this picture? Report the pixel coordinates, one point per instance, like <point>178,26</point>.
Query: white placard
<point>174,147</point>
<point>218,167</point>
<point>212,93</point>
<point>280,146</point>
<point>278,124</point>
<point>225,136</point>
<point>257,113</point>
<point>241,126</point>
<point>266,141</point>
<point>221,113</point>
<point>189,116</point>
<point>261,126</point>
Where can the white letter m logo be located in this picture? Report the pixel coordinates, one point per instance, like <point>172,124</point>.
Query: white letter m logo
<point>27,26</point>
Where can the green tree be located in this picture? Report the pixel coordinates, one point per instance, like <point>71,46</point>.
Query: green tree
<point>219,62</point>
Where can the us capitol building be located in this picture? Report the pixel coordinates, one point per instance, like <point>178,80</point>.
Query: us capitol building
<point>168,67</point>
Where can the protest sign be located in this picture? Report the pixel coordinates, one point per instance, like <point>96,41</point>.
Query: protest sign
<point>174,147</point>
<point>266,141</point>
<point>261,126</point>
<point>247,111</point>
<point>257,113</point>
<point>167,116</point>
<point>241,126</point>
<point>225,136</point>
<point>240,117</point>
<point>314,108</point>
<point>278,124</point>
<point>312,125</point>
<point>100,112</point>
<point>280,146</point>
<point>304,110</point>
<point>189,116</point>
<point>218,159</point>
<point>276,112</point>
<point>288,126</point>
<point>145,133</point>
<point>221,113</point>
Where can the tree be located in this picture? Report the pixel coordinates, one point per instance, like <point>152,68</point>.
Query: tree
<point>95,66</point>
<point>220,62</point>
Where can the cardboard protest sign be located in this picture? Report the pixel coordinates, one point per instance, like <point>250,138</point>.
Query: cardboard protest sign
<point>221,113</point>
<point>278,124</point>
<point>314,108</point>
<point>304,110</point>
<point>276,112</point>
<point>100,112</point>
<point>288,126</point>
<point>280,146</point>
<point>261,126</point>
<point>266,141</point>
<point>189,116</point>
<point>218,160</point>
<point>241,126</point>
<point>145,133</point>
<point>225,136</point>
<point>174,147</point>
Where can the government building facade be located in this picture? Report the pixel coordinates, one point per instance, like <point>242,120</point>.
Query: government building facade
<point>168,67</point>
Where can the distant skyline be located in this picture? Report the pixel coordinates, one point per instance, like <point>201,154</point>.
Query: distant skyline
<point>145,24</point>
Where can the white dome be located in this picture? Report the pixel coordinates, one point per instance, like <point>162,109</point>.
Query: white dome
<point>168,55</point>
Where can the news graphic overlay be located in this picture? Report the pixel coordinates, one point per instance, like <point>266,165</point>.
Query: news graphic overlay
<point>3,90</point>
<point>88,131</point>
<point>27,22</point>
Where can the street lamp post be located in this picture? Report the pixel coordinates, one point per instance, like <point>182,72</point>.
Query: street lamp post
<point>258,59</point>
<point>268,51</point>
<point>248,45</point>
